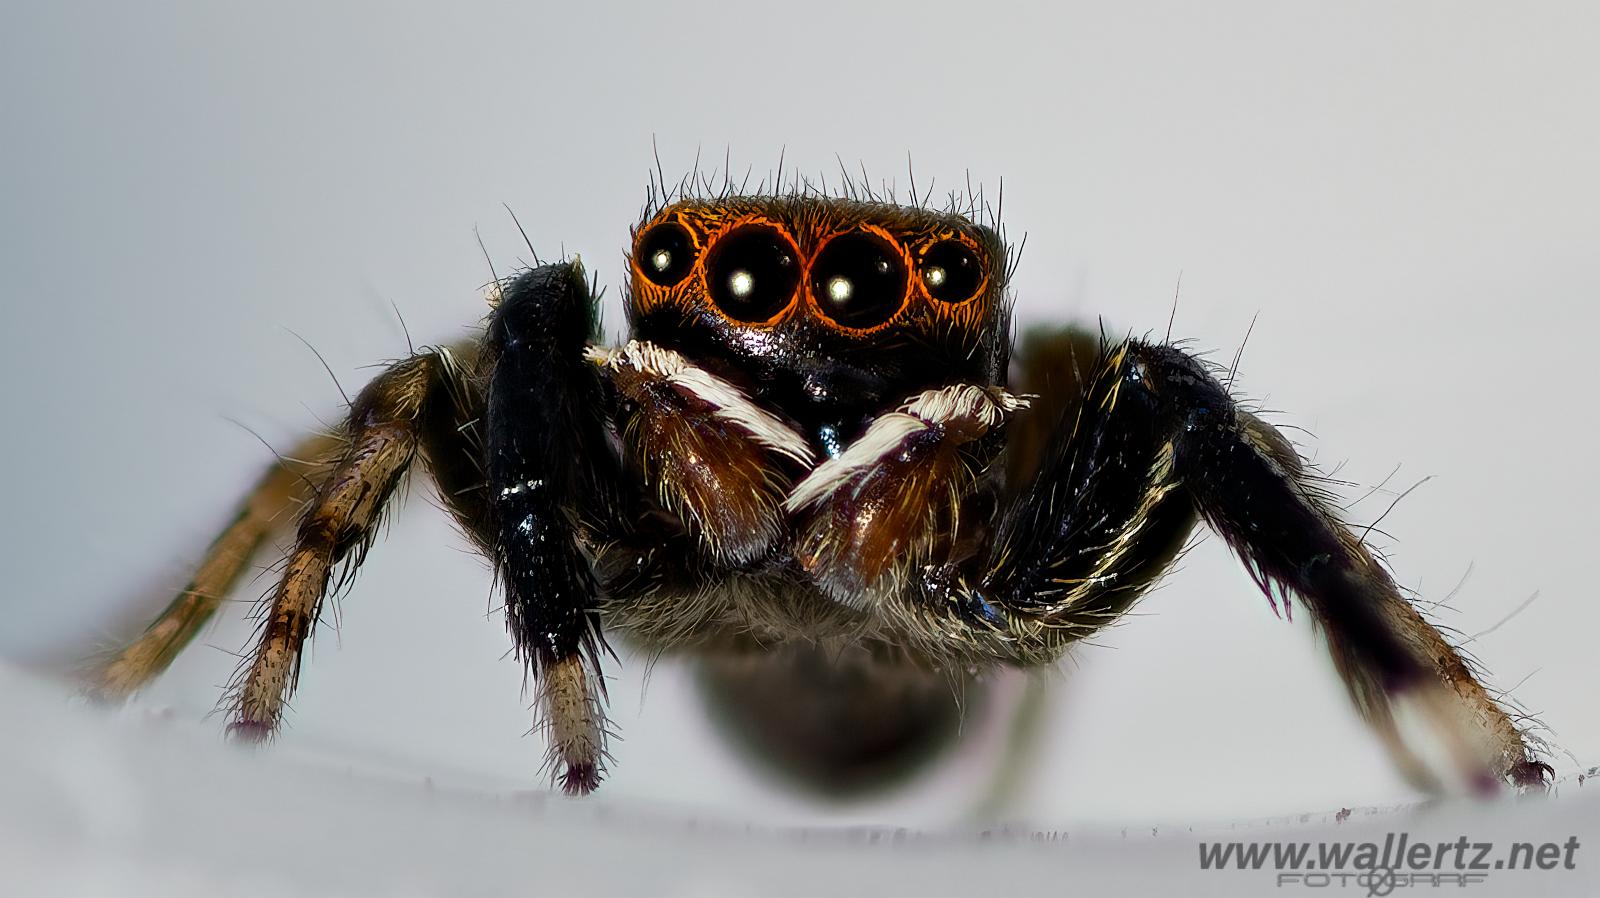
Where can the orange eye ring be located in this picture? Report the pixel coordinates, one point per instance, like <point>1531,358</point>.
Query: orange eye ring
<point>665,253</point>
<point>859,280</point>
<point>952,271</point>
<point>752,273</point>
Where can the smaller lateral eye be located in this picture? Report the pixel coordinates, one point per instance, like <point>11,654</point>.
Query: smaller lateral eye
<point>951,271</point>
<point>666,253</point>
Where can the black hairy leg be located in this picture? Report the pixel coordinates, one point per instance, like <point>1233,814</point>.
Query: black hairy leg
<point>1253,488</point>
<point>374,449</point>
<point>1093,515</point>
<point>549,464</point>
<point>1110,499</point>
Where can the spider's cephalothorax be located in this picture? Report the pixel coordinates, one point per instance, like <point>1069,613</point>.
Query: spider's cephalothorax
<point>815,467</point>
<point>826,311</point>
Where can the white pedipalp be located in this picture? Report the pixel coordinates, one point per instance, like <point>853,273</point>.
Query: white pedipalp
<point>985,406</point>
<point>727,401</point>
<point>881,440</point>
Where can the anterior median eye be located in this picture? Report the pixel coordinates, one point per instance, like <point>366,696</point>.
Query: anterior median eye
<point>859,280</point>
<point>665,254</point>
<point>752,272</point>
<point>951,271</point>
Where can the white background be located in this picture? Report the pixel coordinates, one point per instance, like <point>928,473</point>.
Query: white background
<point>1406,194</point>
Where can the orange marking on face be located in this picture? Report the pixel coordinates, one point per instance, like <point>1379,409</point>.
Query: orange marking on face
<point>809,225</point>
<point>965,313</point>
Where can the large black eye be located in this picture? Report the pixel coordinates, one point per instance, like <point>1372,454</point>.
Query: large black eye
<point>951,271</point>
<point>666,253</point>
<point>752,272</point>
<point>859,280</point>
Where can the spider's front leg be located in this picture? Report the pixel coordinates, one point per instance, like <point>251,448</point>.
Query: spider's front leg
<point>1252,487</point>
<point>550,469</point>
<point>1158,439</point>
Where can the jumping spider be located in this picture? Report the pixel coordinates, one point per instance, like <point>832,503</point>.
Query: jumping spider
<point>816,467</point>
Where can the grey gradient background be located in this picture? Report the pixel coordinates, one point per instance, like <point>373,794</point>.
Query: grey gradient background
<point>1406,194</point>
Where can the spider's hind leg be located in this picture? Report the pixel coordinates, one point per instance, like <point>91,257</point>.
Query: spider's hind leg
<point>264,510</point>
<point>389,421</point>
<point>449,406</point>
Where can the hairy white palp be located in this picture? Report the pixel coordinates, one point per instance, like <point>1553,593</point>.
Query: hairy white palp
<point>727,401</point>
<point>984,406</point>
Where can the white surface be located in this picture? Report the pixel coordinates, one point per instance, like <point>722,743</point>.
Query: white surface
<point>145,806</point>
<point>1406,195</point>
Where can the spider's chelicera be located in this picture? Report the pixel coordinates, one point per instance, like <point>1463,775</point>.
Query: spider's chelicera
<point>817,467</point>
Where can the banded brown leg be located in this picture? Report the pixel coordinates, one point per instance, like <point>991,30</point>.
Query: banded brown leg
<point>263,511</point>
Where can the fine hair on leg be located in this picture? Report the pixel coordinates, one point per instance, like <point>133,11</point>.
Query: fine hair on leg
<point>380,438</point>
<point>264,509</point>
